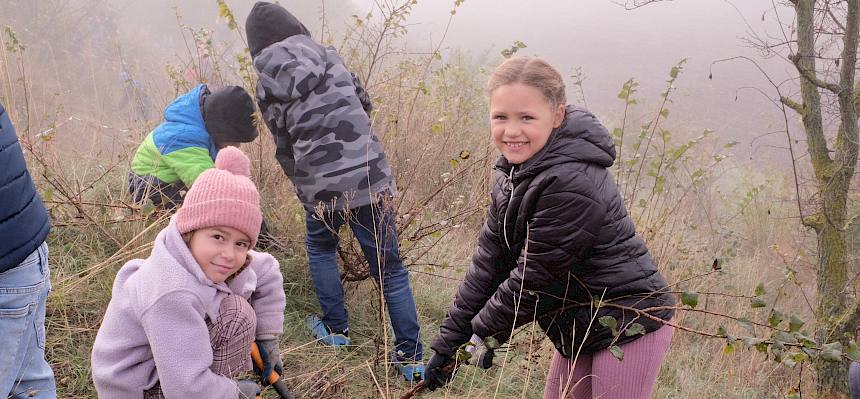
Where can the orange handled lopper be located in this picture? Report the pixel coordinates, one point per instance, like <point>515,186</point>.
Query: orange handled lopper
<point>273,378</point>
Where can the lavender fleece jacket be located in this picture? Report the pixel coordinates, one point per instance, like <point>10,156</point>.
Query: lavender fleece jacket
<point>154,329</point>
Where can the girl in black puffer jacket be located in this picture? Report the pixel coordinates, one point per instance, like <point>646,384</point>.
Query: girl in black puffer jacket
<point>559,248</point>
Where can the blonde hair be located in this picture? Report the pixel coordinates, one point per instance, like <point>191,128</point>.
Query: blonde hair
<point>530,71</point>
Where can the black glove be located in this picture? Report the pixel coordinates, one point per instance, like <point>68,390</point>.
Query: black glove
<point>439,371</point>
<point>271,360</point>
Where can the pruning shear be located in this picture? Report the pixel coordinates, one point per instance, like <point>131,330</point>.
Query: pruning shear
<point>273,377</point>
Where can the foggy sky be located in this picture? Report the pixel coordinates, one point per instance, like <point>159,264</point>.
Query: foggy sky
<point>609,43</point>
<point>612,44</point>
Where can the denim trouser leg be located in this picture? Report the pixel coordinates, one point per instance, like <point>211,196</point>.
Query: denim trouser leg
<point>322,240</point>
<point>376,232</point>
<point>24,372</point>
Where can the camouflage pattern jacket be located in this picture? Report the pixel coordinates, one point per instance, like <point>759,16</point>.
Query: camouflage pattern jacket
<point>313,106</point>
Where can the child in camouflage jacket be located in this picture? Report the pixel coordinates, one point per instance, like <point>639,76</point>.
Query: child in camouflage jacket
<point>318,113</point>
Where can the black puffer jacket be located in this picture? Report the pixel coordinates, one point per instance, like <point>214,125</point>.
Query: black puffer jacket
<point>558,234</point>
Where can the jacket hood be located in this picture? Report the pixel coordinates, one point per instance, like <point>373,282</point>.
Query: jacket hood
<point>185,109</point>
<point>269,23</point>
<point>580,138</point>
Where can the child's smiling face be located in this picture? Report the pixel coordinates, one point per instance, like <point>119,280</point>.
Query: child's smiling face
<point>521,120</point>
<point>220,251</point>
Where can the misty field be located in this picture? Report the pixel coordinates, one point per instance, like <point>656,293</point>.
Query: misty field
<point>84,87</point>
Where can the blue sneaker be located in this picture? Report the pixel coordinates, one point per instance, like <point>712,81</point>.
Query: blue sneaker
<point>412,371</point>
<point>324,335</point>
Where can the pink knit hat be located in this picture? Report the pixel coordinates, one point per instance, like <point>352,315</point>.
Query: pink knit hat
<point>223,196</point>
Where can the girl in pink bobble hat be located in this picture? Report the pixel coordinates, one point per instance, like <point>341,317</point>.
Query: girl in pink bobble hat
<point>181,323</point>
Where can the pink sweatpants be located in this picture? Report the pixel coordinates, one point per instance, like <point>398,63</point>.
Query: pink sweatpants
<point>600,375</point>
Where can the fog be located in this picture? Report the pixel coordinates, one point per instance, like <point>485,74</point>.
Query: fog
<point>609,44</point>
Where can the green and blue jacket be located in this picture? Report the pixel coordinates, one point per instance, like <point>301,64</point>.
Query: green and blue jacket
<point>180,148</point>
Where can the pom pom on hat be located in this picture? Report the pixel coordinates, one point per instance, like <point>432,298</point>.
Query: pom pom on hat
<point>223,196</point>
<point>234,161</point>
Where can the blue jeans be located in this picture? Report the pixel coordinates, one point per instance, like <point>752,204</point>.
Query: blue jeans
<point>24,372</point>
<point>373,226</point>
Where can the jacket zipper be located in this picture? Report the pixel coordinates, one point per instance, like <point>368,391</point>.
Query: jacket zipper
<point>505,220</point>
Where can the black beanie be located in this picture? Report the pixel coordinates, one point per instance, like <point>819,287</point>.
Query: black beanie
<point>268,24</point>
<point>229,115</point>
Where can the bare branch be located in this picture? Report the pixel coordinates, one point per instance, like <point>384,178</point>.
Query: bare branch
<point>634,4</point>
<point>809,75</point>
<point>833,16</point>
<point>792,104</point>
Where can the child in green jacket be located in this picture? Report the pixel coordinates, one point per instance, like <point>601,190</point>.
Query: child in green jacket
<point>196,125</point>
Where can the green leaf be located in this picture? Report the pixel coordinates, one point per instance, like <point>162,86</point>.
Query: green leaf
<point>730,345</point>
<point>759,289</point>
<point>756,303</point>
<point>463,355</point>
<point>751,341</point>
<point>659,183</point>
<point>148,208</point>
<point>436,128</point>
<point>617,352</point>
<point>778,351</point>
<point>832,352</point>
<point>776,317</point>
<point>795,323</point>
<point>804,340</point>
<point>799,357</point>
<point>664,113</point>
<point>782,336</point>
<point>610,323</point>
<point>690,299</point>
<point>634,329</point>
<point>721,332</point>
<point>853,352</point>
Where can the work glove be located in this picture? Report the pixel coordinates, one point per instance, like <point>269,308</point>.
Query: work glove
<point>271,355</point>
<point>248,389</point>
<point>439,371</point>
<point>482,352</point>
